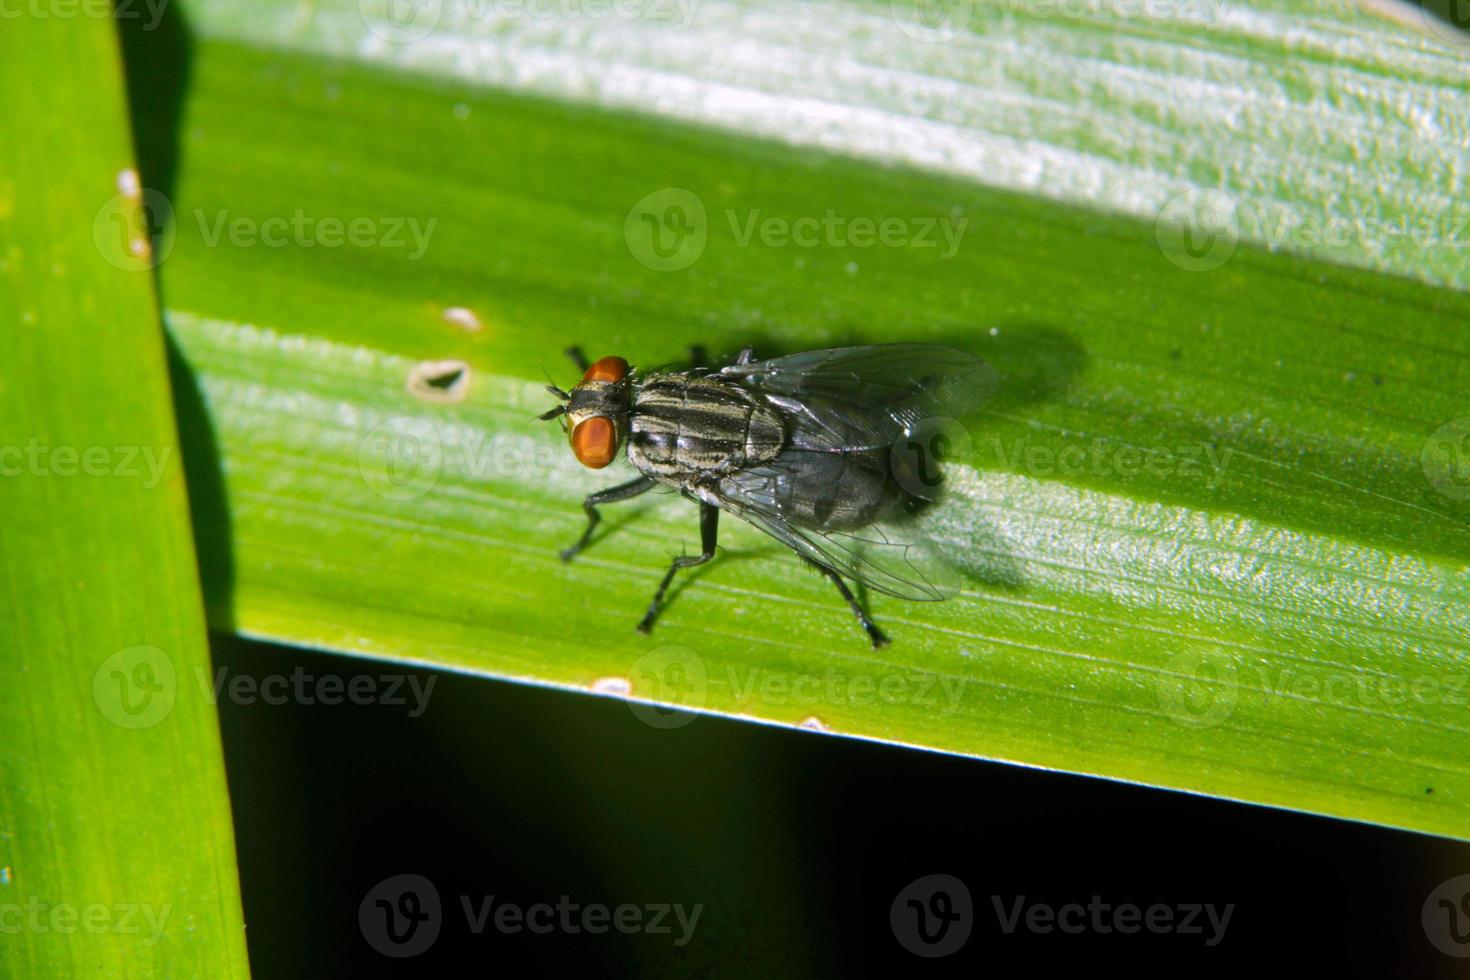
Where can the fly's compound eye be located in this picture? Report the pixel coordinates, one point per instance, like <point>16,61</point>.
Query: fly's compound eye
<point>595,441</point>
<point>610,369</point>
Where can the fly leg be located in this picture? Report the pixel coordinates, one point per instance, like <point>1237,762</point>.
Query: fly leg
<point>578,358</point>
<point>709,524</point>
<point>879,638</point>
<point>623,491</point>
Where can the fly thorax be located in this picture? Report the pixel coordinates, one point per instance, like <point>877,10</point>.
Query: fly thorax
<point>682,425</point>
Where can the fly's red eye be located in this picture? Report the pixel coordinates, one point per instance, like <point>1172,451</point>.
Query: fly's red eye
<point>610,369</point>
<point>595,442</point>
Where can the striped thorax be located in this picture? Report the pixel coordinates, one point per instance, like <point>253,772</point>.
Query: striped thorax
<point>683,426</point>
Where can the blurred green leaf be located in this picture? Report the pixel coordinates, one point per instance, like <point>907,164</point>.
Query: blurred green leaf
<point>1217,510</point>
<point>116,848</point>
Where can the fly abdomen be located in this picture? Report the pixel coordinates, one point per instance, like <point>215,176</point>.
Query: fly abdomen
<point>833,491</point>
<point>682,426</point>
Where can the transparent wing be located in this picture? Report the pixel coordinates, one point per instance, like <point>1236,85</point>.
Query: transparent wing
<point>894,553</point>
<point>868,397</point>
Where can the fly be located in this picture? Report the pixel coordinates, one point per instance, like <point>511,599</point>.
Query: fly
<point>815,449</point>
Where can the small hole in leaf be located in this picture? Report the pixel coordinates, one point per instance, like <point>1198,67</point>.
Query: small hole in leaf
<point>440,381</point>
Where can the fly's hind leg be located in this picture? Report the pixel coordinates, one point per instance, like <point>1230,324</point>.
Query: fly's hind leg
<point>623,491</point>
<point>879,638</point>
<point>709,532</point>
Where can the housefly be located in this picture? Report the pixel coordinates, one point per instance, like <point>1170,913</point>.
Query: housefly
<point>822,450</point>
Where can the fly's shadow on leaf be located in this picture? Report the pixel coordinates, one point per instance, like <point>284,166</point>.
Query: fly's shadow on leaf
<point>1033,364</point>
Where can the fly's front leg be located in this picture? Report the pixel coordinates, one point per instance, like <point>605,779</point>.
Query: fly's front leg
<point>709,532</point>
<point>879,638</point>
<point>623,491</point>
<point>578,358</point>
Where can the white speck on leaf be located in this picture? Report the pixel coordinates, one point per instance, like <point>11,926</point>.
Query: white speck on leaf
<point>128,183</point>
<point>463,316</point>
<point>613,685</point>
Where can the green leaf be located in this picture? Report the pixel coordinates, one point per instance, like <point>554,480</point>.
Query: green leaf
<point>1217,510</point>
<point>116,847</point>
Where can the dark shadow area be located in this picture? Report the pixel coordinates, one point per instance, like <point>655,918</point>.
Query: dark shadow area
<point>156,61</point>
<point>157,58</point>
<point>209,508</point>
<point>796,845</point>
<point>1034,362</point>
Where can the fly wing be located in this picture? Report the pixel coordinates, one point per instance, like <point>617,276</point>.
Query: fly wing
<point>859,398</point>
<point>893,553</point>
